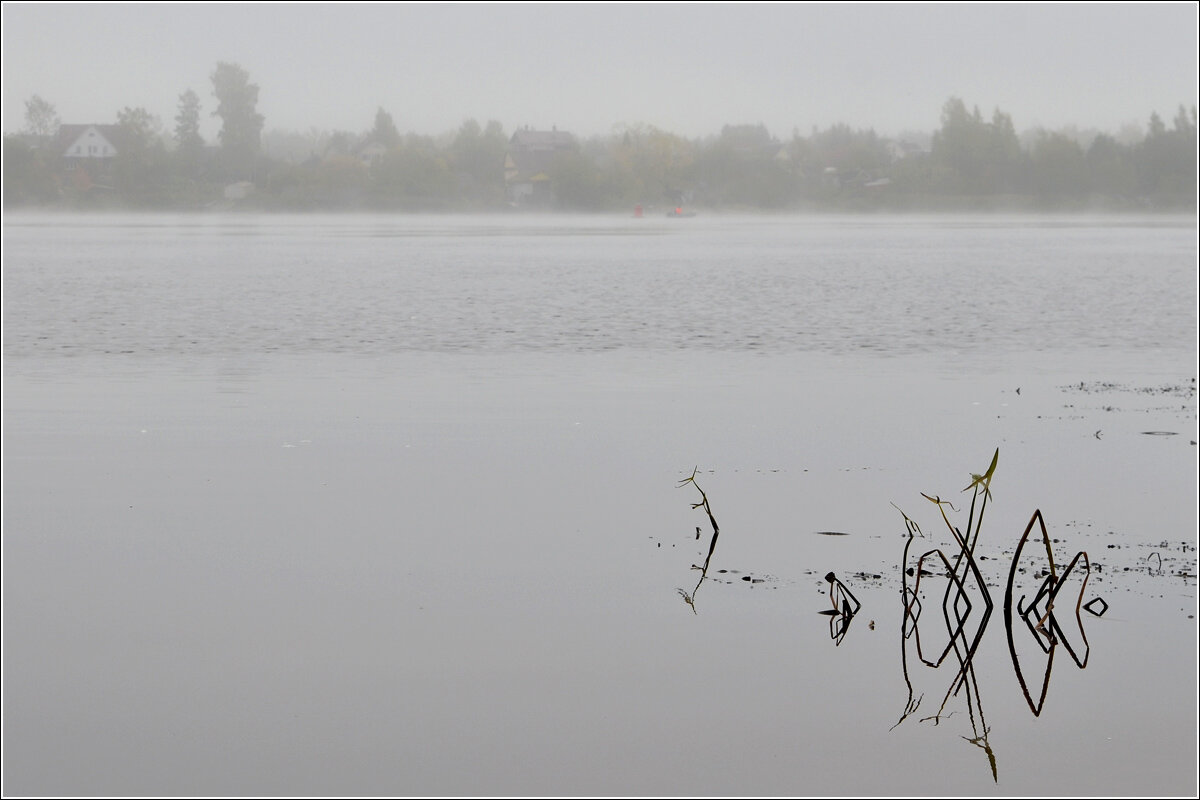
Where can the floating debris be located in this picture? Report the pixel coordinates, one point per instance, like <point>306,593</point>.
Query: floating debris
<point>1176,390</point>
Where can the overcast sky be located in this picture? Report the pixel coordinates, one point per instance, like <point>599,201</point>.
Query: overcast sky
<point>685,68</point>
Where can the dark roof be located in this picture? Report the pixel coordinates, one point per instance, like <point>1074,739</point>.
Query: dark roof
<point>542,140</point>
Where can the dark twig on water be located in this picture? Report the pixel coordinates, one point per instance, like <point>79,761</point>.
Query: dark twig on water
<point>690,599</point>
<point>716,529</point>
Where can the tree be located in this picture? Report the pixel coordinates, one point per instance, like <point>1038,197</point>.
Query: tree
<point>958,146</point>
<point>339,143</point>
<point>974,157</point>
<point>141,168</point>
<point>385,132</point>
<point>241,124</point>
<point>741,168</point>
<point>27,179</point>
<point>1185,125</point>
<point>477,159</point>
<point>414,175</point>
<point>187,123</point>
<point>40,117</point>
<point>1157,128</point>
<point>1111,169</point>
<point>1004,158</point>
<point>578,185</point>
<point>1166,161</point>
<point>139,127</point>
<point>189,155</point>
<point>1059,168</point>
<point>648,165</point>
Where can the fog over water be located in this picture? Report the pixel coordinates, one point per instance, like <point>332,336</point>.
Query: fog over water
<point>688,69</point>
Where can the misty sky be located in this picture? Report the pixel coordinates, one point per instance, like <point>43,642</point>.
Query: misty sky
<point>688,69</point>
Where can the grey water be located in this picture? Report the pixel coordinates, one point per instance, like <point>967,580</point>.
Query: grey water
<point>392,505</point>
<point>378,285</point>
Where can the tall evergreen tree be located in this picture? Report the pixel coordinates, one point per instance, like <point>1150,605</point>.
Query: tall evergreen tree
<point>187,123</point>
<point>385,132</point>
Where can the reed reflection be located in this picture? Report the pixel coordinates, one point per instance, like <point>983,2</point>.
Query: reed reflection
<point>1040,620</point>
<point>1039,611</point>
<point>966,608</point>
<point>1038,593</point>
<point>845,606</point>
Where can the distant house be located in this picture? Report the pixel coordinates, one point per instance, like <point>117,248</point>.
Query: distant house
<point>902,149</point>
<point>830,178</point>
<point>88,152</point>
<point>87,143</point>
<point>527,166</point>
<point>371,153</point>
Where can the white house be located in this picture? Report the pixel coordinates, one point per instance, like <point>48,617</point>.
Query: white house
<point>87,141</point>
<point>371,153</point>
<point>88,154</point>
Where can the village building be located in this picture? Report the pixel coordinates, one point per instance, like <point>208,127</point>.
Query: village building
<point>88,153</point>
<point>528,165</point>
<point>371,153</point>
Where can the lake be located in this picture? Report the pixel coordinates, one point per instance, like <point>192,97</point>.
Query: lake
<point>400,505</point>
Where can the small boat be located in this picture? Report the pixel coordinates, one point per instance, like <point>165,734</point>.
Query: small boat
<point>679,212</point>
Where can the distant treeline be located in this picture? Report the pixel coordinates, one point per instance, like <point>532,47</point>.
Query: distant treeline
<point>969,163</point>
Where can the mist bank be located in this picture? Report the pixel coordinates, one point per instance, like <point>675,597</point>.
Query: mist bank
<point>970,163</point>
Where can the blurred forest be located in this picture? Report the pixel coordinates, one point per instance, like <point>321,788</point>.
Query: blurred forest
<point>969,163</point>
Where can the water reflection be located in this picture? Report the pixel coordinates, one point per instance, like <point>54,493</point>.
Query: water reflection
<point>690,599</point>
<point>965,592</point>
<point>1038,592</point>
<point>1041,622</point>
<point>1042,625</point>
<point>845,606</point>
<point>1098,602</point>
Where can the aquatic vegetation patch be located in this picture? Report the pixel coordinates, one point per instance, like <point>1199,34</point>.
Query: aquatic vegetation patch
<point>1184,389</point>
<point>947,599</point>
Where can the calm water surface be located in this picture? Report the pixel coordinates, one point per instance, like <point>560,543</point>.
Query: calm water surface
<point>380,505</point>
<point>383,285</point>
